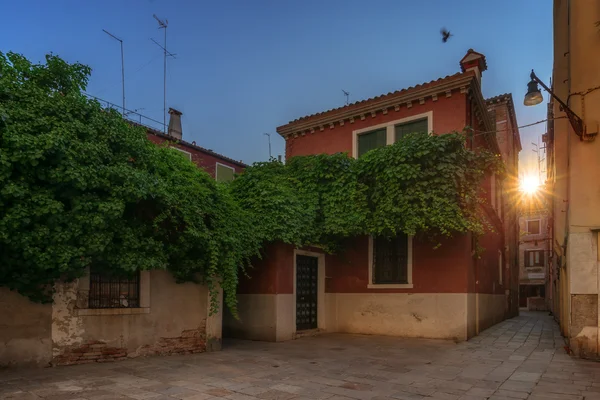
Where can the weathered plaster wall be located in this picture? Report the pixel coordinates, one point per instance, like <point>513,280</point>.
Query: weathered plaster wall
<point>431,315</point>
<point>577,171</point>
<point>25,330</point>
<point>267,317</point>
<point>174,322</point>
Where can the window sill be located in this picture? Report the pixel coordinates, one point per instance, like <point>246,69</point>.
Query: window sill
<point>82,312</point>
<point>390,286</point>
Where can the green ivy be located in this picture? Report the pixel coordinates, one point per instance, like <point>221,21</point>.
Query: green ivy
<point>423,184</point>
<point>81,188</point>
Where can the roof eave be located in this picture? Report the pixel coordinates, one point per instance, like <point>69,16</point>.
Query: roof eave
<point>385,103</point>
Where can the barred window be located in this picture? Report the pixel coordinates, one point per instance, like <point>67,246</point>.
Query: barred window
<point>390,260</point>
<point>114,291</point>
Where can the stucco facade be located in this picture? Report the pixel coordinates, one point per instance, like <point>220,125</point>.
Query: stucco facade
<point>172,319</point>
<point>449,292</point>
<point>534,254</point>
<point>574,173</point>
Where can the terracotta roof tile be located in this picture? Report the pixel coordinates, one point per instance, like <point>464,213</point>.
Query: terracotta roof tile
<point>193,146</point>
<point>383,96</point>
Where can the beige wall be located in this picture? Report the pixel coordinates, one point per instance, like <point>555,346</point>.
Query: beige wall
<point>577,169</point>
<point>427,315</point>
<point>172,309</point>
<point>456,316</point>
<point>25,333</point>
<point>540,241</point>
<point>173,318</point>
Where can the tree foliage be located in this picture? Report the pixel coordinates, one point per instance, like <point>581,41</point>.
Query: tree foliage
<point>81,188</point>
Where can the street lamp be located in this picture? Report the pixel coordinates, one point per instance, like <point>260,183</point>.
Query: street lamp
<point>534,97</point>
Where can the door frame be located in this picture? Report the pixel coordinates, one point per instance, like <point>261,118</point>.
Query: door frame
<point>320,286</point>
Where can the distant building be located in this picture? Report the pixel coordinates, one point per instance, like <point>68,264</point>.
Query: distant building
<point>220,167</point>
<point>534,253</point>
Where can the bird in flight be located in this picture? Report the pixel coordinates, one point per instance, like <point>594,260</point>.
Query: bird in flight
<point>445,34</point>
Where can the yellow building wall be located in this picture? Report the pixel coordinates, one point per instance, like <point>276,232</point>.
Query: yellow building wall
<point>577,170</point>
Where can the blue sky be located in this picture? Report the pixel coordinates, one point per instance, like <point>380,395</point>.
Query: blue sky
<point>245,67</point>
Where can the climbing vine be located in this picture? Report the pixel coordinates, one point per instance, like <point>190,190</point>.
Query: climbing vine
<point>81,188</point>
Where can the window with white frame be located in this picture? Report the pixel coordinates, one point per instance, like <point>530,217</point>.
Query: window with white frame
<point>388,133</point>
<point>186,154</point>
<point>534,258</point>
<point>390,261</point>
<point>224,173</point>
<point>533,227</point>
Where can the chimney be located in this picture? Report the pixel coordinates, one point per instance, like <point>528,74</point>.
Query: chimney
<point>175,124</point>
<point>474,61</point>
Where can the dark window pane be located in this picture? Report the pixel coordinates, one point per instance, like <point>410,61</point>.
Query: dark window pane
<point>114,291</point>
<point>419,126</point>
<point>224,173</point>
<point>371,140</point>
<point>390,260</point>
<point>533,227</point>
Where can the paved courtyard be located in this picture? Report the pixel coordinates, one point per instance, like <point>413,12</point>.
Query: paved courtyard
<point>522,358</point>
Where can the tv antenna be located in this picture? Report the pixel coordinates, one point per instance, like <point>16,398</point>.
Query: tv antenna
<point>163,25</point>
<point>347,94</point>
<point>268,135</point>
<point>122,66</point>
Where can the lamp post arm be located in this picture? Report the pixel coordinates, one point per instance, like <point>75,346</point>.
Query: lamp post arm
<point>574,119</point>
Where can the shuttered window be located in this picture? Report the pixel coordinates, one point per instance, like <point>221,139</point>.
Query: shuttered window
<point>418,126</point>
<point>534,258</point>
<point>224,173</point>
<point>371,140</point>
<point>390,260</point>
<point>533,227</point>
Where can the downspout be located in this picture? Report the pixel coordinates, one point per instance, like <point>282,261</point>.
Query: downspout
<point>567,201</point>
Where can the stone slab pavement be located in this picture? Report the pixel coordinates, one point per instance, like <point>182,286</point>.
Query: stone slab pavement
<point>521,358</point>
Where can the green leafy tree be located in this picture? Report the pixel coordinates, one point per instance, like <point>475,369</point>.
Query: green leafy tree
<point>82,188</point>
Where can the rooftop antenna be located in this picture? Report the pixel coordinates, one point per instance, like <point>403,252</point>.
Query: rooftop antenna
<point>163,25</point>
<point>122,66</point>
<point>347,94</point>
<point>269,136</point>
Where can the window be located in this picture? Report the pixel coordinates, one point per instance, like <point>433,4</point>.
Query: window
<point>114,291</point>
<point>534,258</point>
<point>372,137</point>
<point>186,154</point>
<point>224,173</point>
<point>533,227</point>
<point>404,129</point>
<point>371,140</point>
<point>390,260</point>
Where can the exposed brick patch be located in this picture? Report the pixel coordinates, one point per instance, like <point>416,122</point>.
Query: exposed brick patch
<point>190,341</point>
<point>89,352</point>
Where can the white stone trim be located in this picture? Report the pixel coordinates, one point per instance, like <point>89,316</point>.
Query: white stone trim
<point>389,126</point>
<point>409,268</point>
<point>223,165</point>
<point>533,220</point>
<point>320,287</point>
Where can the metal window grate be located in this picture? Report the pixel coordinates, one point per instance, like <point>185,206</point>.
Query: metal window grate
<point>390,260</point>
<point>114,291</point>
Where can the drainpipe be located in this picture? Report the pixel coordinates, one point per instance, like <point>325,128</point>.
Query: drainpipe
<point>567,201</point>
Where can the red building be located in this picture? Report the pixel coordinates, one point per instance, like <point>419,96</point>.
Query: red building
<point>401,287</point>
<point>217,165</point>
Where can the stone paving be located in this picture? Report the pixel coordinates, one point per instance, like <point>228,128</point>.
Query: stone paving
<point>522,358</point>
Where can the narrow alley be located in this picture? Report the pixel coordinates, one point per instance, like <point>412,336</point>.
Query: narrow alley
<point>521,358</point>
